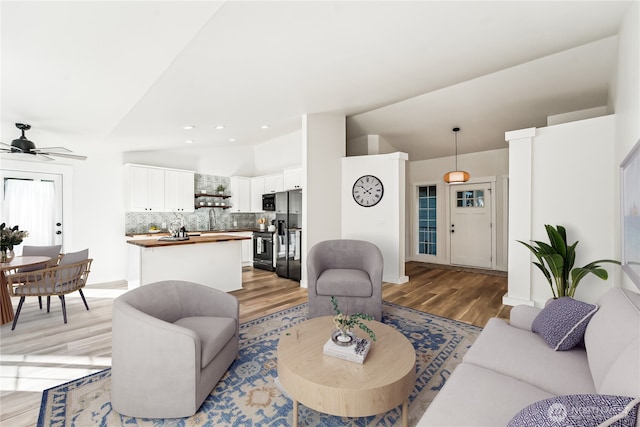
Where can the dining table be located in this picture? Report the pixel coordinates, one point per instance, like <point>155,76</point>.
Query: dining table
<point>6,308</point>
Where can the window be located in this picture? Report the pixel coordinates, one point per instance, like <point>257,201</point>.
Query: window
<point>470,199</point>
<point>427,220</point>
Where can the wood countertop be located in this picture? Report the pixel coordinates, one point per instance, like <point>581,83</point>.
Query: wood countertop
<point>214,238</point>
<point>193,233</point>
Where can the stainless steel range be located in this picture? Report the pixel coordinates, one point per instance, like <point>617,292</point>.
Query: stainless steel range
<point>263,250</point>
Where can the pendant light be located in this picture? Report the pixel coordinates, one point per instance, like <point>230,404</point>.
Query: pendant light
<point>456,175</point>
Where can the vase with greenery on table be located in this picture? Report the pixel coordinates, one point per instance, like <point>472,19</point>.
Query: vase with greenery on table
<point>556,260</point>
<point>345,322</point>
<point>10,237</point>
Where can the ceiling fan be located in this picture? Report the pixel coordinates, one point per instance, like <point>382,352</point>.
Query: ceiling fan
<point>23,146</point>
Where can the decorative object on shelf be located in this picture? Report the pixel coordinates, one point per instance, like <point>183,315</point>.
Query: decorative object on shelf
<point>367,191</point>
<point>10,237</point>
<point>456,175</point>
<point>345,322</point>
<point>220,189</point>
<point>556,262</point>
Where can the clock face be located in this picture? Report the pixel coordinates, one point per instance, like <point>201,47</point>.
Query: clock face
<point>367,191</point>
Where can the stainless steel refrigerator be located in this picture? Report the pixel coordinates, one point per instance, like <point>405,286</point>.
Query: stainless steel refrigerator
<point>289,234</point>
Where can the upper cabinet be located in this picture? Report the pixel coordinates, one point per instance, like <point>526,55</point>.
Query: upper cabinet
<point>145,189</point>
<point>178,191</point>
<point>257,190</point>
<point>292,179</point>
<point>152,189</point>
<point>240,194</point>
<point>273,183</point>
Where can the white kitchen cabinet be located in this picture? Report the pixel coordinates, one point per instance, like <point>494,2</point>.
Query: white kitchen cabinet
<point>292,179</point>
<point>273,183</point>
<point>178,191</point>
<point>257,190</point>
<point>153,189</point>
<point>240,194</point>
<point>145,189</point>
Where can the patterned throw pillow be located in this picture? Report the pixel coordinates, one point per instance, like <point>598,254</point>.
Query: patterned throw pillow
<point>584,410</point>
<point>563,321</point>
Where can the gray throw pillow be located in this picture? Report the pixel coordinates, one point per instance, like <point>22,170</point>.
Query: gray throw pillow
<point>563,321</point>
<point>584,410</point>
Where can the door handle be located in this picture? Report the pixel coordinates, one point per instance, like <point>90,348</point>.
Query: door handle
<point>58,232</point>
<point>58,224</point>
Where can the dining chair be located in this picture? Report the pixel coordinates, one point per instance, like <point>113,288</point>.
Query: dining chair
<point>52,252</point>
<point>68,276</point>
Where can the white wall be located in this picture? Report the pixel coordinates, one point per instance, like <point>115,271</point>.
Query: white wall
<point>95,217</point>
<point>369,144</point>
<point>230,160</point>
<point>277,154</point>
<point>570,185</point>
<point>627,108</point>
<point>384,223</point>
<point>323,147</point>
<point>484,165</point>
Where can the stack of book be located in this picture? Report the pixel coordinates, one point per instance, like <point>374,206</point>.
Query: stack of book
<point>356,352</point>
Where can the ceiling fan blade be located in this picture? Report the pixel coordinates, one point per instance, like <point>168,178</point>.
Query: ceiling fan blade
<point>47,158</point>
<point>11,148</point>
<point>54,149</point>
<point>68,156</point>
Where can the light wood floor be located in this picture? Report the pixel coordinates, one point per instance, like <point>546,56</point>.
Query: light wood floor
<point>43,352</point>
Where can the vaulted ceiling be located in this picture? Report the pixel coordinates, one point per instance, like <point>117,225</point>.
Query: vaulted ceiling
<point>130,75</point>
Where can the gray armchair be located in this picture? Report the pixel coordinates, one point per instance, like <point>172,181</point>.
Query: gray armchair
<point>350,270</point>
<point>172,341</point>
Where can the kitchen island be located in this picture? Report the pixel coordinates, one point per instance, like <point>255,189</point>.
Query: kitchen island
<point>212,260</point>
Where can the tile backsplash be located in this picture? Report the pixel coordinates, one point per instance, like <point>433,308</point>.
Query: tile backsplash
<point>140,222</point>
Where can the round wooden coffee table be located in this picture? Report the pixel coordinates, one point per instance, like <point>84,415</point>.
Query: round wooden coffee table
<point>339,387</point>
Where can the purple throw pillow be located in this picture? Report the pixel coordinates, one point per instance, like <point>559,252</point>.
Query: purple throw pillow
<point>563,321</point>
<point>584,410</point>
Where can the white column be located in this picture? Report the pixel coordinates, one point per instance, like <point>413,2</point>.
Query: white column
<point>520,179</point>
<point>323,147</point>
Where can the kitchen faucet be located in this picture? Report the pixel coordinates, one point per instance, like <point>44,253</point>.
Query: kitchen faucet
<point>212,219</point>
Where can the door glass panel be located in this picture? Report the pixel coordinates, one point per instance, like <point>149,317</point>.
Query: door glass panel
<point>470,199</point>
<point>427,220</point>
<point>30,204</point>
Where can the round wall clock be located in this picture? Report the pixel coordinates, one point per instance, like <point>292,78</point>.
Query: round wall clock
<point>367,191</point>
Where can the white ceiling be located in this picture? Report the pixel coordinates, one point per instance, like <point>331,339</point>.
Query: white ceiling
<point>129,75</point>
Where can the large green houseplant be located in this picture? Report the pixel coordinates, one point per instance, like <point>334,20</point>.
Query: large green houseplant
<point>556,259</point>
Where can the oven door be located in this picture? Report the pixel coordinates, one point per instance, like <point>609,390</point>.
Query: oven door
<point>263,251</point>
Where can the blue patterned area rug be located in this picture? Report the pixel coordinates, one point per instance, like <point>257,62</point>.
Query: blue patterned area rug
<point>248,394</point>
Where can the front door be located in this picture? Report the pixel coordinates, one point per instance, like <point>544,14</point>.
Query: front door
<point>33,201</point>
<point>470,229</point>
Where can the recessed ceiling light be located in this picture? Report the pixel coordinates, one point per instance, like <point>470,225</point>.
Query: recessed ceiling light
<point>265,126</point>
<point>188,127</point>
<point>220,127</point>
<point>189,141</point>
<point>232,140</point>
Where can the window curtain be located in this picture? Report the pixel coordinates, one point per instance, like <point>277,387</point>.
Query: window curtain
<point>30,205</point>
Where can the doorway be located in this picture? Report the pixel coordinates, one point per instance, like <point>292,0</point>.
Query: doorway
<point>470,230</point>
<point>33,201</point>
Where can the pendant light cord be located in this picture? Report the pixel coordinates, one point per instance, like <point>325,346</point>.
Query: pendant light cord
<point>456,130</point>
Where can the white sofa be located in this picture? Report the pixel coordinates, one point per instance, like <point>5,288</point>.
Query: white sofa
<point>509,367</point>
